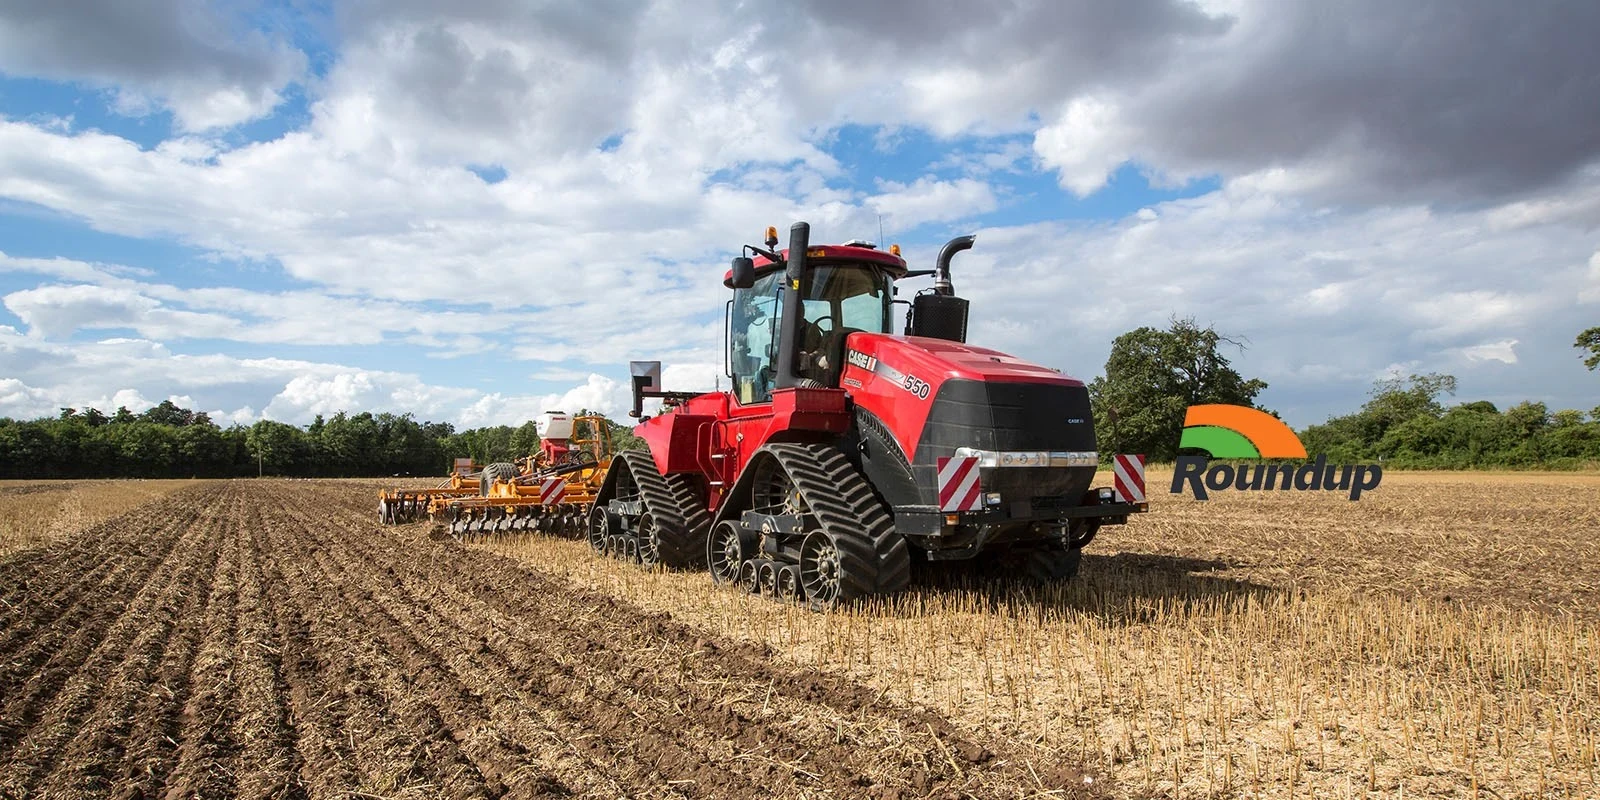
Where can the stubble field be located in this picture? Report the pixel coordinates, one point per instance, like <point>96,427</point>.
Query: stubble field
<point>266,638</point>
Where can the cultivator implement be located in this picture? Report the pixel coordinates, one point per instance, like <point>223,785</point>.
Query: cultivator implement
<point>400,506</point>
<point>549,492</point>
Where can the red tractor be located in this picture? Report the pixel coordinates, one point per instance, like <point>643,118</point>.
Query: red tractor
<point>844,451</point>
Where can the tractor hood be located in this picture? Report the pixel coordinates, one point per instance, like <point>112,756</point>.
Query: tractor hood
<point>931,396</point>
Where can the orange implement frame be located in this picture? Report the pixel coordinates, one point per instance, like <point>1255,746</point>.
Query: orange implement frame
<point>546,497</point>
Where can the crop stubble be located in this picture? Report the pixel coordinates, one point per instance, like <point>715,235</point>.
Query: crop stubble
<point>264,638</point>
<point>1437,638</point>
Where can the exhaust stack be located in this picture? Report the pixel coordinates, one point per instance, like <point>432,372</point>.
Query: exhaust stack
<point>941,273</point>
<point>939,314</point>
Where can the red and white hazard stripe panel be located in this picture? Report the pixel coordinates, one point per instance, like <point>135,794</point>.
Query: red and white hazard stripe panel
<point>958,484</point>
<point>1129,471</point>
<point>551,490</point>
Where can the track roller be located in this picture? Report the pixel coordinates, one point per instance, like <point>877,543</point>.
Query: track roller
<point>788,588</point>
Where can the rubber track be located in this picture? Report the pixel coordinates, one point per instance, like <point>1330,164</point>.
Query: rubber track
<point>874,558</point>
<point>682,521</point>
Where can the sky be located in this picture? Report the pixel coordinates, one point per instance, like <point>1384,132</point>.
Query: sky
<point>481,210</point>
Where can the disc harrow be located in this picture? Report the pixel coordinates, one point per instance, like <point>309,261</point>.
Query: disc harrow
<point>402,506</point>
<point>472,523</point>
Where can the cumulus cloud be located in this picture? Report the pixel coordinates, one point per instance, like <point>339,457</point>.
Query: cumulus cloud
<point>1362,100</point>
<point>1324,302</point>
<point>1503,351</point>
<point>126,372</point>
<point>931,200</point>
<point>209,67</point>
<point>1399,184</point>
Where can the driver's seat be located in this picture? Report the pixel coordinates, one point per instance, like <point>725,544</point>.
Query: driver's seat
<point>832,345</point>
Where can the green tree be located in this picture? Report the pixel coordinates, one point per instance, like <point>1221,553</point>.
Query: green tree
<point>168,413</point>
<point>203,451</point>
<point>1153,376</point>
<point>279,448</point>
<point>525,439</point>
<point>1589,340</point>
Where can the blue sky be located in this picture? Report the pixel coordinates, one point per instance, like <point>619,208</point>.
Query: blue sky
<point>285,209</point>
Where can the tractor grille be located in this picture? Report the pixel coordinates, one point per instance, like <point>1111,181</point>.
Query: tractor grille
<point>1009,416</point>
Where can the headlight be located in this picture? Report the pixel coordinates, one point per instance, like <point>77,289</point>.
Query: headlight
<point>1030,458</point>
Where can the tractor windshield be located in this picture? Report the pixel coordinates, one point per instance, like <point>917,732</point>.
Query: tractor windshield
<point>840,299</point>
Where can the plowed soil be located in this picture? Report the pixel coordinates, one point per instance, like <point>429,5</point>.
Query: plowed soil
<point>268,639</point>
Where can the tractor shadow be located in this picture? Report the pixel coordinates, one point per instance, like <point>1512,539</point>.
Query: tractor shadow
<point>1120,589</point>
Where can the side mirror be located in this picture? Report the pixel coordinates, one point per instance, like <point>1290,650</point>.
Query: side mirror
<point>744,273</point>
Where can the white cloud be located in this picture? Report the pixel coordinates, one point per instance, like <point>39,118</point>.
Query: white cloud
<point>1325,301</point>
<point>1503,351</point>
<point>1087,143</point>
<point>18,400</point>
<point>1589,290</point>
<point>931,200</point>
<point>188,56</point>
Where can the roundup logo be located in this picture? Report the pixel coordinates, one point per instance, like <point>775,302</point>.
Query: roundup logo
<point>1236,432</point>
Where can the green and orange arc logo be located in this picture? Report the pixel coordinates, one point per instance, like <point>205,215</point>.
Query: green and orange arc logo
<point>1227,431</point>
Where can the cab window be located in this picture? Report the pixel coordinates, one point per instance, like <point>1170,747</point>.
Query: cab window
<point>753,330</point>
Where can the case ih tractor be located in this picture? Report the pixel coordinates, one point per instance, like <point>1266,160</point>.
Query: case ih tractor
<point>844,451</point>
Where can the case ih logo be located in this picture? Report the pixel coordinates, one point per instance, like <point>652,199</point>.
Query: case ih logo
<point>1236,432</point>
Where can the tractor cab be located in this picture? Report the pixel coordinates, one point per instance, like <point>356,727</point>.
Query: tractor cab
<point>841,293</point>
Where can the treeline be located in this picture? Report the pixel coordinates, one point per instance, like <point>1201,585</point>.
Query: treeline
<point>1152,376</point>
<point>168,441</point>
<point>1406,424</point>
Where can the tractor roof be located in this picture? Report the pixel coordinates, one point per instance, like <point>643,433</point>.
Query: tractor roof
<point>828,254</point>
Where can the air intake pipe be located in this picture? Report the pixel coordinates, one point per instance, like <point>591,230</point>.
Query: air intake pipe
<point>939,314</point>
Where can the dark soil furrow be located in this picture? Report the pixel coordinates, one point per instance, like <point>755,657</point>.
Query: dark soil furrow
<point>397,746</point>
<point>267,763</point>
<point>468,689</point>
<point>204,736</point>
<point>42,583</point>
<point>54,702</point>
<point>93,761</point>
<point>75,609</point>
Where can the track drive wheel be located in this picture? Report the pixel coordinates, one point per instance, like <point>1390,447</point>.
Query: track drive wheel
<point>602,525</point>
<point>677,517</point>
<point>728,547</point>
